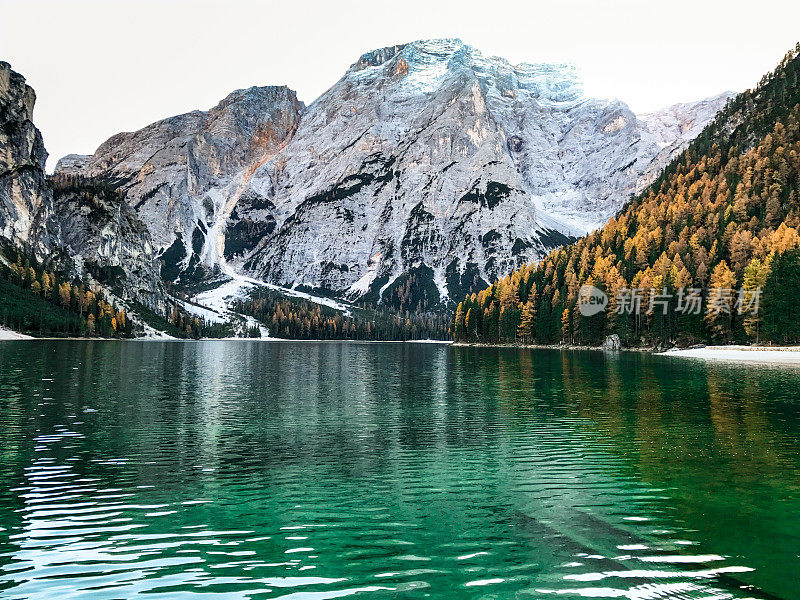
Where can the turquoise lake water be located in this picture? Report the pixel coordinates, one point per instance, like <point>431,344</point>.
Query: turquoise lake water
<point>308,471</point>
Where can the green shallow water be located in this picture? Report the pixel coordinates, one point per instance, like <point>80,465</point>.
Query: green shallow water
<point>310,471</point>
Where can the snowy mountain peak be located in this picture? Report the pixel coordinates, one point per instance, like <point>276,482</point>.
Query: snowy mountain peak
<point>684,120</point>
<point>423,66</point>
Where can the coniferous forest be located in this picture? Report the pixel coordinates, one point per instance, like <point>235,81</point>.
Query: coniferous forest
<point>42,301</point>
<point>723,217</point>
<point>39,301</point>
<point>295,318</point>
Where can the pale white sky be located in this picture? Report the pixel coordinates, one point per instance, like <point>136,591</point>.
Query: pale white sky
<point>104,66</point>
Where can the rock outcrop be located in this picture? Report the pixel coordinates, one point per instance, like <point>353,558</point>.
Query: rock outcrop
<point>184,175</point>
<point>674,127</point>
<point>612,343</point>
<point>84,227</point>
<point>26,209</point>
<point>106,241</point>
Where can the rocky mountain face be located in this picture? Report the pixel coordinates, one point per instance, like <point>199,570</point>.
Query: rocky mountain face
<point>25,202</point>
<point>73,224</point>
<point>674,127</point>
<point>106,241</point>
<point>185,176</point>
<point>426,159</point>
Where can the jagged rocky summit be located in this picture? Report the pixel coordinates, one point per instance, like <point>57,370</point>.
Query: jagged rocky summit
<point>425,159</point>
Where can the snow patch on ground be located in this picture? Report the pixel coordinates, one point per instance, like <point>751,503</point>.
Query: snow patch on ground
<point>7,334</point>
<point>385,287</point>
<point>239,286</point>
<point>214,305</point>
<point>565,211</point>
<point>361,287</point>
<point>152,334</point>
<point>211,316</point>
<point>789,355</point>
<point>311,298</point>
<point>218,300</point>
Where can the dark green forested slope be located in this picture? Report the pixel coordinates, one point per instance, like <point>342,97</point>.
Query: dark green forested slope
<point>723,216</point>
<point>295,318</point>
<point>42,302</point>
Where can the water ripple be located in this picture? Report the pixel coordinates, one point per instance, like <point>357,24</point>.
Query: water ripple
<point>314,471</point>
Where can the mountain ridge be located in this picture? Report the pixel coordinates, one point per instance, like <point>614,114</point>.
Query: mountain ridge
<point>722,221</point>
<point>423,158</point>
